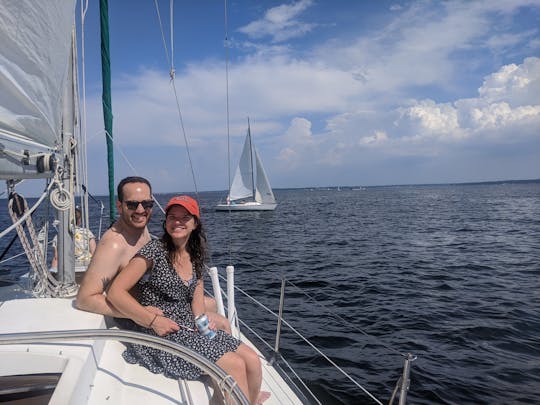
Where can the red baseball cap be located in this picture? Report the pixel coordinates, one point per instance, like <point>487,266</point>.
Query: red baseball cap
<point>185,201</point>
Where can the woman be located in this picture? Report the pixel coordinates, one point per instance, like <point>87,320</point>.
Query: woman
<point>169,274</point>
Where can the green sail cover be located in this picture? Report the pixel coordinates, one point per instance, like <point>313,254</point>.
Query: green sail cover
<point>106,101</point>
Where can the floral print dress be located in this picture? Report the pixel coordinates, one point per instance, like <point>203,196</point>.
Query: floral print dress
<point>163,288</point>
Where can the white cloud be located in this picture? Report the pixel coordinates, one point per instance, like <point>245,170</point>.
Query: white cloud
<point>280,23</point>
<point>499,115</point>
<point>378,138</point>
<point>297,143</point>
<point>502,103</point>
<point>424,130</point>
<point>517,84</point>
<point>384,104</point>
<point>433,118</point>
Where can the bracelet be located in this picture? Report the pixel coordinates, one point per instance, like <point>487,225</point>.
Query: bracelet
<point>151,323</point>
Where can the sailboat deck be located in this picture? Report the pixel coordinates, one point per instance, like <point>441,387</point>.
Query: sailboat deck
<point>93,371</point>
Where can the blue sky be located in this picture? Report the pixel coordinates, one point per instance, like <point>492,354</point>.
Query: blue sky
<point>338,92</point>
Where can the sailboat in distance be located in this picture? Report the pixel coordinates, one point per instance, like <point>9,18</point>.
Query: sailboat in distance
<point>250,189</point>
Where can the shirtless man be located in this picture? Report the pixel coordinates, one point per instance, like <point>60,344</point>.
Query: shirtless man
<point>119,244</point>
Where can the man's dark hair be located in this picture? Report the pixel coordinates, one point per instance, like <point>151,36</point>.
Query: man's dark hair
<point>127,180</point>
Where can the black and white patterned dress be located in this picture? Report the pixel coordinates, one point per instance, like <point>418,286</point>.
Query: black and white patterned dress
<point>163,288</point>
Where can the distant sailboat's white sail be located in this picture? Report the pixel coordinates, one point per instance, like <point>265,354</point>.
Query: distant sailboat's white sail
<point>33,69</point>
<point>264,192</point>
<point>250,189</point>
<point>242,186</point>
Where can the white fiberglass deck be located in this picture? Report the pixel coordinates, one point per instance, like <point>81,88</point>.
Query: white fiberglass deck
<point>93,371</point>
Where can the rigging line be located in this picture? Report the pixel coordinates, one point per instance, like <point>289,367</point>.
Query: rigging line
<point>170,62</point>
<point>8,259</point>
<point>264,342</point>
<point>28,213</point>
<point>78,155</point>
<point>135,172</point>
<point>303,338</point>
<point>171,19</point>
<point>325,309</point>
<point>185,137</point>
<point>345,322</point>
<point>8,247</point>
<point>162,34</point>
<point>229,217</point>
<point>83,162</point>
<point>293,371</point>
<point>311,345</point>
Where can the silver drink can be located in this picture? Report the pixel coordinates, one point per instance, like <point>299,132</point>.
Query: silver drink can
<point>202,324</point>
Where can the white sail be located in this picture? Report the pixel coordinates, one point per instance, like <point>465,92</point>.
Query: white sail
<point>38,120</point>
<point>250,189</point>
<point>33,69</point>
<point>242,186</point>
<point>264,192</point>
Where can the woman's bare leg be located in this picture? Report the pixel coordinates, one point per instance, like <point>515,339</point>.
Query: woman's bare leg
<point>253,371</point>
<point>234,365</point>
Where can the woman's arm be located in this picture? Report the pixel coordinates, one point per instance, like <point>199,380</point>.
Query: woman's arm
<point>119,296</point>
<point>197,305</point>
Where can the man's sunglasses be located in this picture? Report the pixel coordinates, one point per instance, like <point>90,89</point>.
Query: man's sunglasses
<point>133,205</point>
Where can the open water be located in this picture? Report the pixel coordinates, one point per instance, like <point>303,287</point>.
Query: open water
<point>449,273</point>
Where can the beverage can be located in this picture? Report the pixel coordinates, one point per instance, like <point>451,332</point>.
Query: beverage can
<point>202,324</point>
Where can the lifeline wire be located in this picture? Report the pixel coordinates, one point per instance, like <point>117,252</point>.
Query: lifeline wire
<point>312,346</point>
<point>170,62</point>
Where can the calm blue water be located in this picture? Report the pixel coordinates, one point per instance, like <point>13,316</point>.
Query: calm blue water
<point>450,273</point>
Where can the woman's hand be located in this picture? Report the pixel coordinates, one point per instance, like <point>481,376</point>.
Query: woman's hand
<point>217,321</point>
<point>164,326</point>
<point>211,321</point>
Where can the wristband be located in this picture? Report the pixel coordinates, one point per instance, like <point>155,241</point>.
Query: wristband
<point>151,323</point>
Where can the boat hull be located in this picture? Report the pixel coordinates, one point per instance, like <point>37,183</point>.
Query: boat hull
<point>248,206</point>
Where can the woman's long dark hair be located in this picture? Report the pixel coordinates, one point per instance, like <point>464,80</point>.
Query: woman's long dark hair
<point>196,247</point>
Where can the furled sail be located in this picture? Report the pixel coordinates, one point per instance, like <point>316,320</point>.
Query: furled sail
<point>33,70</point>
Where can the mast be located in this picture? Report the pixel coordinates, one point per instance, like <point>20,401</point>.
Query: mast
<point>106,101</point>
<point>65,247</point>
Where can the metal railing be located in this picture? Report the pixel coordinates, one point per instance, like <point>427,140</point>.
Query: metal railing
<point>223,380</point>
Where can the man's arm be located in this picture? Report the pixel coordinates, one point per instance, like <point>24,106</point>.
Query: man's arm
<point>104,266</point>
<point>92,245</point>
